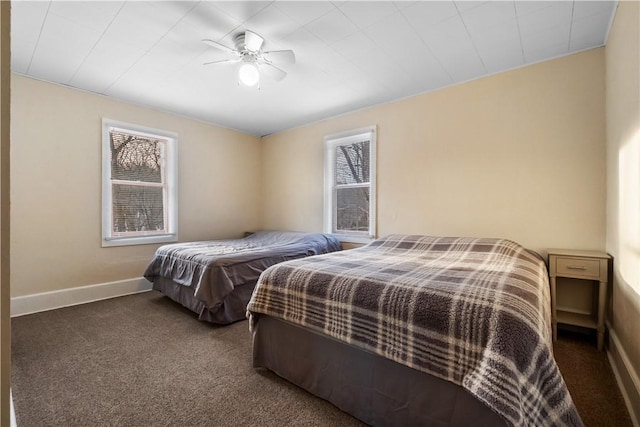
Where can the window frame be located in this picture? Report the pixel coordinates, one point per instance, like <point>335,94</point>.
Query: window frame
<point>330,186</point>
<point>169,185</point>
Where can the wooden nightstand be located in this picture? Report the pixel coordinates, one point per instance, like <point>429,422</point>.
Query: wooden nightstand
<point>587,265</point>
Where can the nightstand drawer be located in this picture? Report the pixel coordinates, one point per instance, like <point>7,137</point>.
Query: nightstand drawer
<point>573,267</point>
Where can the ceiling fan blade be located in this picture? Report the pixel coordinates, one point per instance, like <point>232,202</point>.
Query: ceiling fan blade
<point>223,60</point>
<point>272,71</point>
<point>252,41</point>
<point>219,46</point>
<point>281,56</point>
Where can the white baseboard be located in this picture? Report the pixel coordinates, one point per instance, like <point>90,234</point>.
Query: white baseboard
<point>627,378</point>
<point>12,416</point>
<point>35,303</point>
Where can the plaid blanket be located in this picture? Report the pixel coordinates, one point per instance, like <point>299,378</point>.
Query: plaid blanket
<point>472,311</point>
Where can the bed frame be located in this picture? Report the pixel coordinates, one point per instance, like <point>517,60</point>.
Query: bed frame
<point>376,390</point>
<point>232,309</point>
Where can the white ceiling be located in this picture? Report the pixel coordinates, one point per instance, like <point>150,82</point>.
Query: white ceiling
<point>350,54</point>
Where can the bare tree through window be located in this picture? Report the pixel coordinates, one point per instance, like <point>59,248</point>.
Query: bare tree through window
<point>137,179</point>
<point>350,184</point>
<point>352,199</point>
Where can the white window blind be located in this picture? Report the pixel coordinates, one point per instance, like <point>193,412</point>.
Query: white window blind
<point>139,189</point>
<point>350,184</point>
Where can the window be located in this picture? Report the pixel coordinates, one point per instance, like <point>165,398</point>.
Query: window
<point>349,167</point>
<point>139,191</point>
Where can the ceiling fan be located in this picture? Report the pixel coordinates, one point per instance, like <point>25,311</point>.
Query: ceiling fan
<point>248,51</point>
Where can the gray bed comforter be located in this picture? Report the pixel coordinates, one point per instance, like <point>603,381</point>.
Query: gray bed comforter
<point>472,311</point>
<point>214,268</point>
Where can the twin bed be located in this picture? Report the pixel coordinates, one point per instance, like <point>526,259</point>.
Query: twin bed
<point>406,331</point>
<point>215,278</point>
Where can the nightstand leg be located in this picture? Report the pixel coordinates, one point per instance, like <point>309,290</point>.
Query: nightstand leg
<point>554,320</point>
<point>602,302</point>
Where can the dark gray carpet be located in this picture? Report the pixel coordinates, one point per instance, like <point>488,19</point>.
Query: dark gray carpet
<point>142,360</point>
<point>590,380</point>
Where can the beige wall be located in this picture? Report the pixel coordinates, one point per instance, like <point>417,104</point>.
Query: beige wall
<point>56,186</point>
<point>623,180</point>
<point>519,155</point>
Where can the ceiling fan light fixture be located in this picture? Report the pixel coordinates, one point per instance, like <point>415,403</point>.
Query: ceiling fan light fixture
<point>253,60</point>
<point>249,74</point>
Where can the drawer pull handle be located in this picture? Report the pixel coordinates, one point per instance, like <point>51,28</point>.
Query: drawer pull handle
<point>576,267</point>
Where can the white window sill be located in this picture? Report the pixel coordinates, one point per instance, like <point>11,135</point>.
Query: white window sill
<point>347,238</point>
<point>141,240</point>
